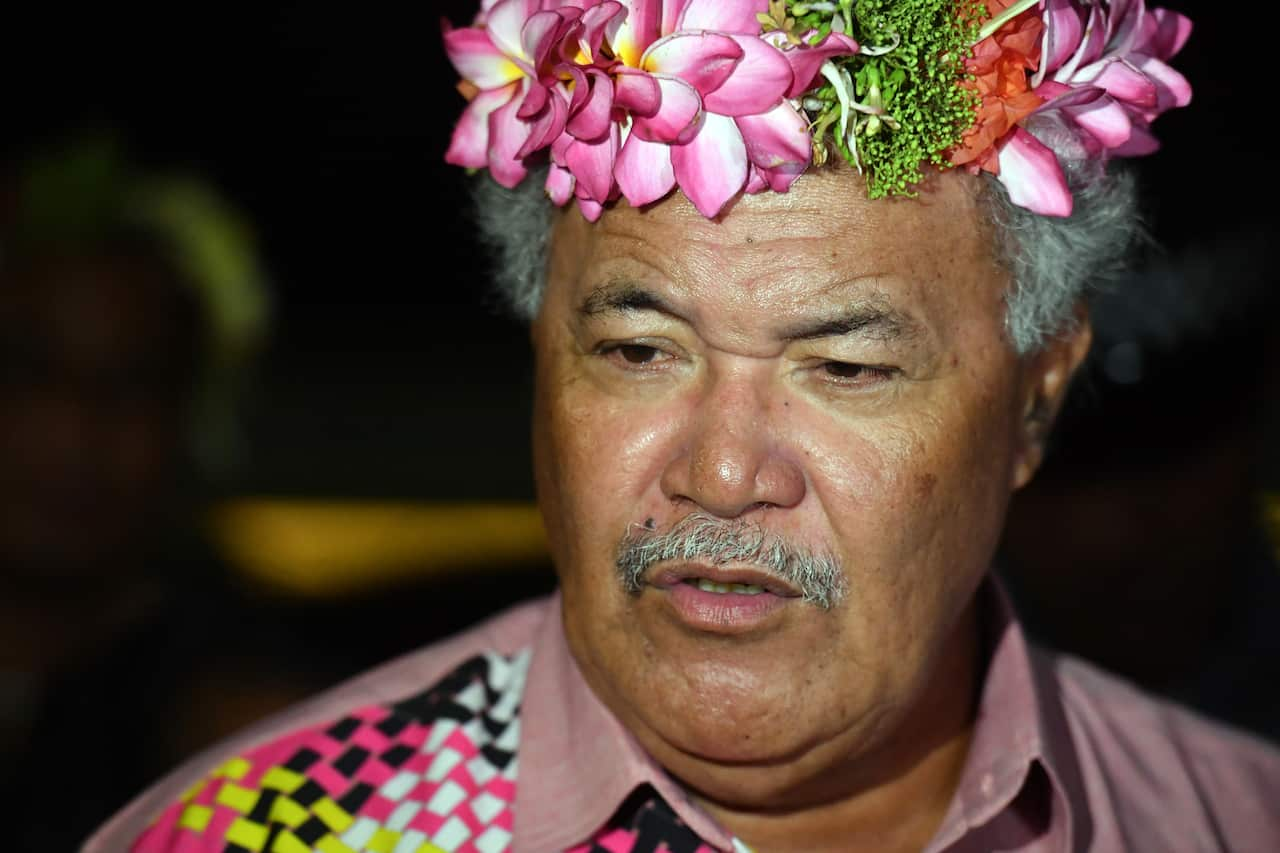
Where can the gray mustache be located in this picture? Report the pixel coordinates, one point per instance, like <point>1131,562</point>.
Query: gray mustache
<point>699,536</point>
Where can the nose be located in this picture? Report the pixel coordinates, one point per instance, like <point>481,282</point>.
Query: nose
<point>734,458</point>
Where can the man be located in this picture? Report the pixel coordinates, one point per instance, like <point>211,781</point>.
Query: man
<point>775,436</point>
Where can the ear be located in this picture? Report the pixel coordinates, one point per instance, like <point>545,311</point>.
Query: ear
<point>1046,376</point>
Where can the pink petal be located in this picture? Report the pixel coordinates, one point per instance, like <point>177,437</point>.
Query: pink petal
<point>591,209</point>
<point>1172,89</point>
<point>671,12</point>
<point>703,60</point>
<point>636,92</point>
<point>540,35</point>
<point>1172,32</point>
<point>594,118</point>
<point>469,146</point>
<point>756,182</point>
<point>806,60</point>
<point>559,184</point>
<point>712,167</point>
<point>777,138</point>
<point>644,171</point>
<point>507,135</point>
<point>679,114</point>
<point>546,126</point>
<point>757,83</point>
<point>595,23</point>
<point>505,23</point>
<point>1031,174</point>
<point>1122,81</point>
<point>1059,96</point>
<point>535,101</point>
<point>1092,44</point>
<point>478,59</point>
<point>578,85</point>
<point>1106,120</point>
<point>1141,143</point>
<point>641,27</point>
<point>1125,26</point>
<point>1062,35</point>
<point>728,16</point>
<point>560,149</point>
<point>592,165</point>
<point>781,178</point>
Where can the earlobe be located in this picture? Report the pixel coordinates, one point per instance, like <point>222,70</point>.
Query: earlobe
<point>1049,374</point>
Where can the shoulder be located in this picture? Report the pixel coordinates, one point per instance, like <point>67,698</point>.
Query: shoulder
<point>452,699</point>
<point>1143,759</point>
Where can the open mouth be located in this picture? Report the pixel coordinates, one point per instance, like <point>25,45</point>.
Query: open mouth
<point>720,580</point>
<point>724,588</point>
<point>722,600</point>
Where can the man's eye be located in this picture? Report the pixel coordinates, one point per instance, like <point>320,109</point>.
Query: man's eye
<point>847,372</point>
<point>634,354</point>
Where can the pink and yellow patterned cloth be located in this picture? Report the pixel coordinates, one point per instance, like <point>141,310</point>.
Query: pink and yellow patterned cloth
<point>507,750</point>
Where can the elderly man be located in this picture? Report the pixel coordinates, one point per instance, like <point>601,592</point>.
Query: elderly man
<point>778,421</point>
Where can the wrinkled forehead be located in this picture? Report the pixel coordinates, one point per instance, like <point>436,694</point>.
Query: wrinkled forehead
<point>788,257</point>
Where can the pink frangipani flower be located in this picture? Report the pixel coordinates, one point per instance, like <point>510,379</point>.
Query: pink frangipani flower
<point>1104,72</point>
<point>723,122</point>
<point>635,98</point>
<point>517,104</point>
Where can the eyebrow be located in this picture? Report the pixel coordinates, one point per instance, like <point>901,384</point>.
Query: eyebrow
<point>872,318</point>
<point>624,297</point>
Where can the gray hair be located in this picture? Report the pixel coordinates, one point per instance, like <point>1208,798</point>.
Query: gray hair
<point>701,536</point>
<point>1054,263</point>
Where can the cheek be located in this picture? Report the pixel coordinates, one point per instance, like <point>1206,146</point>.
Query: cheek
<point>598,462</point>
<point>914,504</point>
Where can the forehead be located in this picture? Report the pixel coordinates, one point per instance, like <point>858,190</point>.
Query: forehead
<point>786,256</point>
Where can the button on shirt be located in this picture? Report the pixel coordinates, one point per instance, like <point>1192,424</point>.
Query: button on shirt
<point>493,742</point>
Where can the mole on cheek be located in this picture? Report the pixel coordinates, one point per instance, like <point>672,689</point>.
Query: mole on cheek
<point>925,484</point>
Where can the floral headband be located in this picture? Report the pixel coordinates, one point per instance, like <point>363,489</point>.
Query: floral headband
<point>634,98</point>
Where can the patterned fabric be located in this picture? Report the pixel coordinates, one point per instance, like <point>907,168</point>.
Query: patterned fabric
<point>645,824</point>
<point>434,773</point>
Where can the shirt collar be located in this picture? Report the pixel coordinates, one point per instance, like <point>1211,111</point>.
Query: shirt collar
<point>578,764</point>
<point>1020,723</point>
<point>586,764</point>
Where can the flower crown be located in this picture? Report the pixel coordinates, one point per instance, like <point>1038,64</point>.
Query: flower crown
<point>634,98</point>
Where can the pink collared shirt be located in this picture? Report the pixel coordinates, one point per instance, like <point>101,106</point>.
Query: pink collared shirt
<point>492,742</point>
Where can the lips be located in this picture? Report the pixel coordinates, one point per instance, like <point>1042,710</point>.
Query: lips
<point>733,580</point>
<point>723,600</point>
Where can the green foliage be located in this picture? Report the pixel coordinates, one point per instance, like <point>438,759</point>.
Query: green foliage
<point>910,104</point>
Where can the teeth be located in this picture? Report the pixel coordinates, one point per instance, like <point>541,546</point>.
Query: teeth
<point>723,588</point>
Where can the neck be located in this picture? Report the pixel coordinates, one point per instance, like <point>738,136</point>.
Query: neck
<point>891,797</point>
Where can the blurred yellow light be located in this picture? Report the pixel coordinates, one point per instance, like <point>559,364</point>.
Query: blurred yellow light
<point>328,548</point>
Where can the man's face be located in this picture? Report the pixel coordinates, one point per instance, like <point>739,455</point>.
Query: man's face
<point>825,370</point>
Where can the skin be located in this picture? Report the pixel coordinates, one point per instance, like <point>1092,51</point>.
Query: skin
<point>670,379</point>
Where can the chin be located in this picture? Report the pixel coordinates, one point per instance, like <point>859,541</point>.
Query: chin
<point>732,708</point>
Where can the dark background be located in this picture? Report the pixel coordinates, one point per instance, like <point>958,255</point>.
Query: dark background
<point>390,372</point>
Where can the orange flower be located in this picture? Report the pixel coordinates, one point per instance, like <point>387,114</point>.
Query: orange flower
<point>1000,66</point>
